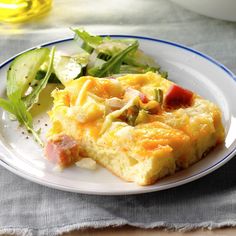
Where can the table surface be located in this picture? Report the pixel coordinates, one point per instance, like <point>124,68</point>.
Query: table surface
<point>130,231</point>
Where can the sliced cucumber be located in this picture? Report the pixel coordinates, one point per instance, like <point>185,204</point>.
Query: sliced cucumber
<point>66,68</point>
<point>23,70</point>
<point>33,97</point>
<point>82,57</point>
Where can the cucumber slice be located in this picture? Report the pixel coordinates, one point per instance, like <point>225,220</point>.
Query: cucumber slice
<point>23,70</point>
<point>66,68</point>
<point>81,57</point>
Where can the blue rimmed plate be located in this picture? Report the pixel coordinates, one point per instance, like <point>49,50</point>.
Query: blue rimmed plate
<point>185,66</point>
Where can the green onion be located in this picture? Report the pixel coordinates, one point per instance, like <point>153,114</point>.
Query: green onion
<point>158,95</point>
<point>131,118</point>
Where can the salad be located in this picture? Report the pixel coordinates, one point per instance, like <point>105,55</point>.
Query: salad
<point>96,56</point>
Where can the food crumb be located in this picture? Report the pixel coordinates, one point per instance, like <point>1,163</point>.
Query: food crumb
<point>46,124</point>
<point>23,132</point>
<point>27,137</point>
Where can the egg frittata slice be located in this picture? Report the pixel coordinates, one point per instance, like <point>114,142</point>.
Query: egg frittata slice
<point>140,127</point>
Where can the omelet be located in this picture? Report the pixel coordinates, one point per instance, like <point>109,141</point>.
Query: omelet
<point>141,127</point>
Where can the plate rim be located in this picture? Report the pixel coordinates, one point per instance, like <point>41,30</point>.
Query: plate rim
<point>150,188</point>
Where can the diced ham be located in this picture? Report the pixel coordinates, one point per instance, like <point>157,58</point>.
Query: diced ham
<point>143,98</point>
<point>178,97</point>
<point>63,151</point>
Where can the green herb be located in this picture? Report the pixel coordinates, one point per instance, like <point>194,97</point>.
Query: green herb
<point>158,95</point>
<point>113,65</point>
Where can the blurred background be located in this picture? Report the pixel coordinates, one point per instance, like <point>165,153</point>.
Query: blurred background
<point>154,18</point>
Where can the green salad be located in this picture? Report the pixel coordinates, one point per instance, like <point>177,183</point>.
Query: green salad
<point>97,56</point>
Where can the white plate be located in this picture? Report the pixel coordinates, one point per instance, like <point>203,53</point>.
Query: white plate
<point>189,68</point>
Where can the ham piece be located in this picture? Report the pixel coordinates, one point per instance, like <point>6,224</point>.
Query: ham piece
<point>178,97</point>
<point>63,151</point>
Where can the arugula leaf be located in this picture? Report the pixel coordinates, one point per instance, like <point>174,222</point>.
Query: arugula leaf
<point>89,41</point>
<point>112,66</point>
<point>25,118</point>
<point>53,78</point>
<point>17,108</point>
<point>6,105</point>
<point>138,58</point>
<point>33,97</point>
